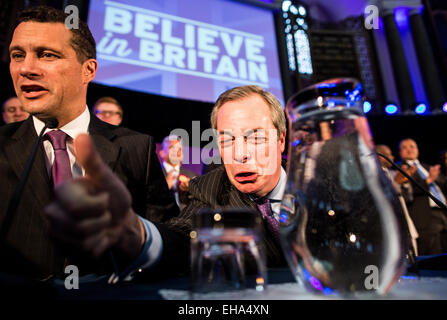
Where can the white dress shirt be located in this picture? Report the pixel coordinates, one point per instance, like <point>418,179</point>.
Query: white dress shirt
<point>176,169</point>
<point>153,245</point>
<point>72,129</point>
<point>277,194</point>
<point>434,188</point>
<point>168,168</point>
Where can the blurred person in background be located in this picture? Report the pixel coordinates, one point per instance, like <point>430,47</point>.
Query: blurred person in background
<point>12,110</point>
<point>429,219</point>
<point>177,177</point>
<point>109,110</point>
<point>397,179</point>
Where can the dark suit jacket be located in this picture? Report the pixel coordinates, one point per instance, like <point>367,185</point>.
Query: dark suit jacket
<point>184,196</point>
<point>130,154</point>
<point>214,190</point>
<point>419,205</point>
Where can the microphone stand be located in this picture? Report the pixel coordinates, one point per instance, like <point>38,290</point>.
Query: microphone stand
<point>15,199</point>
<point>427,193</point>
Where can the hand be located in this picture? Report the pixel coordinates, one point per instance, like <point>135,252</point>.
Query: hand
<point>183,183</point>
<point>399,178</point>
<point>93,213</point>
<point>171,177</point>
<point>433,173</point>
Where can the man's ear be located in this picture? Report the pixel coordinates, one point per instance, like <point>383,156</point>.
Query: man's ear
<point>282,140</point>
<point>89,68</point>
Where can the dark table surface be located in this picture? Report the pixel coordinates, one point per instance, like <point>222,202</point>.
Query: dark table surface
<point>92,287</point>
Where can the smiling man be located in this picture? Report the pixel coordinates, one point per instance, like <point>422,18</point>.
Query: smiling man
<point>251,130</point>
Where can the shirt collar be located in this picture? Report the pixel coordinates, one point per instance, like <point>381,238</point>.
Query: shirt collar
<point>413,162</point>
<point>277,193</point>
<point>72,129</point>
<point>169,167</point>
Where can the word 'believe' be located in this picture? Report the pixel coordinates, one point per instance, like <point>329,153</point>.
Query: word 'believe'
<point>184,44</point>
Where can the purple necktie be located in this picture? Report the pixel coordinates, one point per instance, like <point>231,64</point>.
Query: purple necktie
<point>61,169</point>
<point>273,225</point>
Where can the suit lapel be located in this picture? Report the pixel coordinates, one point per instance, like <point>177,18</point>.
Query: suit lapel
<point>17,151</point>
<point>238,199</point>
<point>102,137</point>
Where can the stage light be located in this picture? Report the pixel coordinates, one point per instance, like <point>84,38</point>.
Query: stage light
<point>391,109</point>
<point>367,106</point>
<point>302,11</point>
<point>286,5</point>
<point>444,107</point>
<point>401,17</point>
<point>293,9</point>
<point>420,108</point>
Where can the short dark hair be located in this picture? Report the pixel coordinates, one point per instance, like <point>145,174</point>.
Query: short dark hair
<point>108,100</point>
<point>82,40</point>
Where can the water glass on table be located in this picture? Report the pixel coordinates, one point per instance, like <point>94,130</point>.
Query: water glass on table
<point>226,251</point>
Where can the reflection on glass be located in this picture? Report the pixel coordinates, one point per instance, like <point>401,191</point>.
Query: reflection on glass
<point>226,253</point>
<point>340,219</point>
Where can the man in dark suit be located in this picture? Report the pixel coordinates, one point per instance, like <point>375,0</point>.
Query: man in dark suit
<point>251,131</point>
<point>177,177</point>
<point>429,219</point>
<point>113,192</point>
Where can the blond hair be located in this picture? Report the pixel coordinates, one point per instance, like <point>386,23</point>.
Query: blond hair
<point>238,93</point>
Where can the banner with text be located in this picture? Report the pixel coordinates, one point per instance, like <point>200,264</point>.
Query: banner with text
<point>193,49</point>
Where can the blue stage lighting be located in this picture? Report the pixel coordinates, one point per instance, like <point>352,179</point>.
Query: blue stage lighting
<point>286,5</point>
<point>420,108</point>
<point>391,109</point>
<point>444,107</point>
<point>367,106</point>
<point>401,17</point>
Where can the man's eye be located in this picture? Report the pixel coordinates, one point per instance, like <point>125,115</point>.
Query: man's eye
<point>256,139</point>
<point>17,56</point>
<point>226,142</point>
<point>48,55</point>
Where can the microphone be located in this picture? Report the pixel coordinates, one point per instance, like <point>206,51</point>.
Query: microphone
<point>15,199</point>
<point>427,193</point>
<point>51,123</point>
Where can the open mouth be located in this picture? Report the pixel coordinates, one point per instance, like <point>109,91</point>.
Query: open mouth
<point>246,177</point>
<point>32,91</point>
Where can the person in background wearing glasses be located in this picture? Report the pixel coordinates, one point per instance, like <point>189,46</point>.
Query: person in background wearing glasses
<point>12,111</point>
<point>108,110</point>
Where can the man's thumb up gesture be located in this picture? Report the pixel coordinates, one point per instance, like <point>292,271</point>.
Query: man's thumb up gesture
<point>93,213</point>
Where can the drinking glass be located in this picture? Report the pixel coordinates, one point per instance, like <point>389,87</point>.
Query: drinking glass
<point>226,251</point>
<point>341,224</point>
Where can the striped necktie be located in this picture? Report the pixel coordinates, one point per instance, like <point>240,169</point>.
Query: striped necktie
<point>263,205</point>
